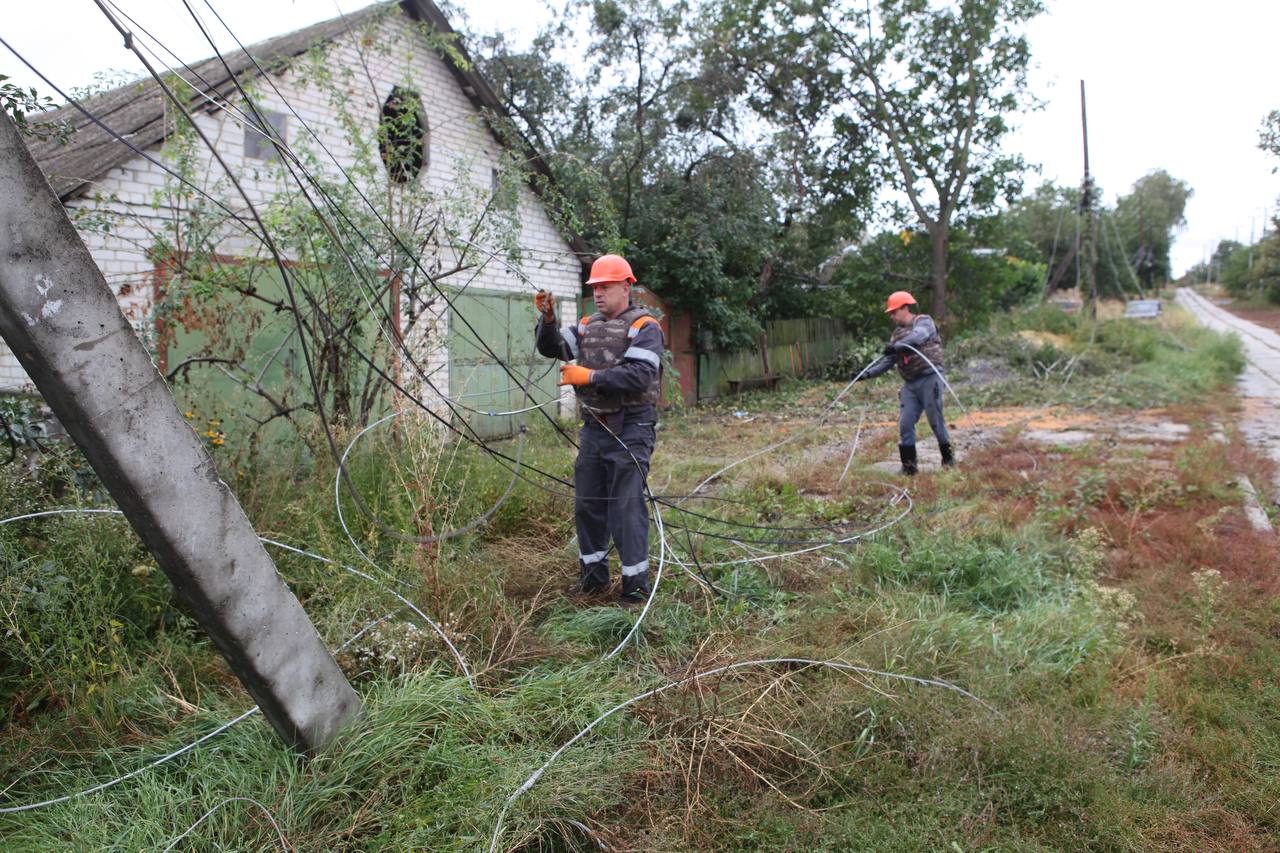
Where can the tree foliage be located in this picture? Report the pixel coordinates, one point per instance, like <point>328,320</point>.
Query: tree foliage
<point>1147,219</point>
<point>658,159</point>
<point>733,148</point>
<point>23,107</point>
<point>1133,237</point>
<point>916,91</point>
<point>1269,136</point>
<point>1244,270</point>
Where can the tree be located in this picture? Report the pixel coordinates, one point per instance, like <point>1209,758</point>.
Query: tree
<point>1050,219</point>
<point>642,134</point>
<point>1146,220</point>
<point>993,267</point>
<point>23,106</point>
<point>1269,136</point>
<point>930,84</point>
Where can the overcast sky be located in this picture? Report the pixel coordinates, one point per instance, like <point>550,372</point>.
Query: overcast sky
<point>1178,86</point>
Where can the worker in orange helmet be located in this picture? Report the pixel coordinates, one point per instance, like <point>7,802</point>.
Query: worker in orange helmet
<point>915,348</point>
<point>618,350</point>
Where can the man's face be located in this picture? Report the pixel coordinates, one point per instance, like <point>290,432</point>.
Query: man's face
<point>901,316</point>
<point>612,298</point>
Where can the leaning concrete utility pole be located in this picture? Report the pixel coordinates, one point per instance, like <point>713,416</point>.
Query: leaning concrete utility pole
<point>64,325</point>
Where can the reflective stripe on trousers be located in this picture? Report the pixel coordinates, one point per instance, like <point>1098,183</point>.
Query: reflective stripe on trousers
<point>610,503</point>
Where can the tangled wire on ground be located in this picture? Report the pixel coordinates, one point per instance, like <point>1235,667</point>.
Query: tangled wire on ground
<point>457,424</point>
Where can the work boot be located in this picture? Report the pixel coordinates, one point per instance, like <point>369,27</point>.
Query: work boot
<point>907,453</point>
<point>635,589</point>
<point>948,458</point>
<point>593,579</point>
<point>633,599</point>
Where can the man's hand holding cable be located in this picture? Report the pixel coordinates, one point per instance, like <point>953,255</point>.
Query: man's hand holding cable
<point>573,374</point>
<point>545,302</point>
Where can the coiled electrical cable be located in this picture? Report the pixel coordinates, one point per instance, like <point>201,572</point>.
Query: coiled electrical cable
<point>284,845</point>
<point>804,662</point>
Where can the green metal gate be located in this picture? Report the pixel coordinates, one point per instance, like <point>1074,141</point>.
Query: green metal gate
<point>237,361</point>
<point>504,321</point>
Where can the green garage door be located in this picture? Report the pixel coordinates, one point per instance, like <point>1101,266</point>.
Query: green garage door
<point>504,321</point>
<point>238,363</point>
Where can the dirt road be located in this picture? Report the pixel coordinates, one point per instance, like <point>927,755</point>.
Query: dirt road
<point>1259,384</point>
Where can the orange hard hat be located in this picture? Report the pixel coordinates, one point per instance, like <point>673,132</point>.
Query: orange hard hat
<point>897,299</point>
<point>609,269</point>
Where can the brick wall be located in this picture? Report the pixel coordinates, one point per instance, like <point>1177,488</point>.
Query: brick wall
<point>364,66</point>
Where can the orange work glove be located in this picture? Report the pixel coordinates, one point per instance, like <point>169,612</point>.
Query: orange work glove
<point>572,374</point>
<point>545,303</point>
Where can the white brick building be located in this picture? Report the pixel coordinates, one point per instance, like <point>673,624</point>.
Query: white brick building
<point>326,90</point>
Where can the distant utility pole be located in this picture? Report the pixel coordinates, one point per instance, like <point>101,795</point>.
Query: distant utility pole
<point>1086,200</point>
<point>61,320</point>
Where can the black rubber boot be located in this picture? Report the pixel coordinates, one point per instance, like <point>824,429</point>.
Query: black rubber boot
<point>635,588</point>
<point>907,453</point>
<point>948,458</point>
<point>633,598</point>
<point>593,579</point>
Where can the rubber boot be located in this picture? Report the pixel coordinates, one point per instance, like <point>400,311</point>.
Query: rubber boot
<point>592,579</point>
<point>948,458</point>
<point>635,589</point>
<point>907,453</point>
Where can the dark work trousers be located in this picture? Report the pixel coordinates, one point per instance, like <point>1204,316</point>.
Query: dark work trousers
<point>922,394</point>
<point>609,498</point>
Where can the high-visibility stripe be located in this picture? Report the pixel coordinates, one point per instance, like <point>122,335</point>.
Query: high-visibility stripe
<point>640,324</point>
<point>642,354</point>
<point>637,569</point>
<point>571,339</point>
<point>588,559</point>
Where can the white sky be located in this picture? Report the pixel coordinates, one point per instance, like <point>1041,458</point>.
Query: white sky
<point>1179,86</point>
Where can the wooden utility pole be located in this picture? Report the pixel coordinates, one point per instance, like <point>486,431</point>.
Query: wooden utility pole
<point>64,325</point>
<point>1090,254</point>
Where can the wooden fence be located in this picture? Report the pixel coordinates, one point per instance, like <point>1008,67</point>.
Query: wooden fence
<point>788,348</point>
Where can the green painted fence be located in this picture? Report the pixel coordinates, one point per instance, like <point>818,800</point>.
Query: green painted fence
<point>788,348</point>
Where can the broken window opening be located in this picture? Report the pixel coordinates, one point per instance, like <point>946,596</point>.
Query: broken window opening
<point>402,135</point>
<point>260,127</point>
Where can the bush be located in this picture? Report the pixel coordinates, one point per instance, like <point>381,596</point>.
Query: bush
<point>82,597</point>
<point>851,359</point>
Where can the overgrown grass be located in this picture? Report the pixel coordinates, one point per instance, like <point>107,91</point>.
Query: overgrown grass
<point>1133,686</point>
<point>1054,357</point>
